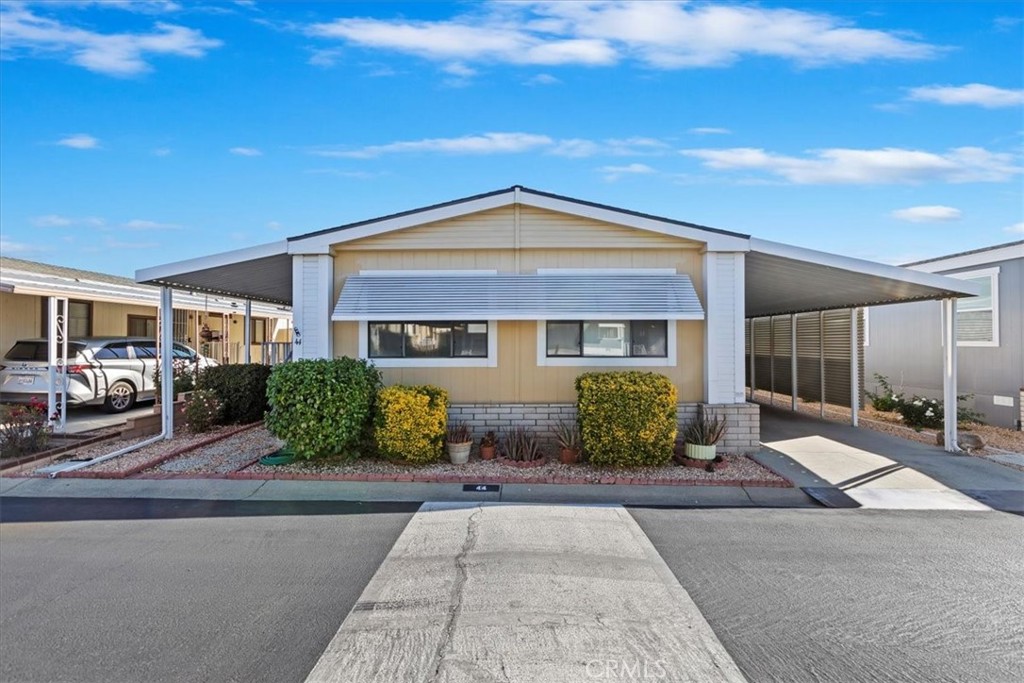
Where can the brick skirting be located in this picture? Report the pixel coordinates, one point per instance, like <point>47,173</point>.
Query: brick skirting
<point>742,436</point>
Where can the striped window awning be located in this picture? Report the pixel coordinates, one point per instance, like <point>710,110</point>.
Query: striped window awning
<point>518,297</point>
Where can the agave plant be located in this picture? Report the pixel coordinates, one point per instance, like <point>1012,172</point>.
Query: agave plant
<point>568,436</point>
<point>705,430</point>
<point>522,446</point>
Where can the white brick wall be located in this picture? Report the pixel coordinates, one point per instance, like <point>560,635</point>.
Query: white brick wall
<point>742,436</point>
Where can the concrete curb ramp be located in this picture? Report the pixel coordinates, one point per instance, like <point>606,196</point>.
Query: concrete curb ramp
<point>537,594</point>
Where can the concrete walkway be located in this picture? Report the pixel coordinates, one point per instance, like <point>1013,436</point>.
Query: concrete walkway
<point>882,471</point>
<point>475,593</point>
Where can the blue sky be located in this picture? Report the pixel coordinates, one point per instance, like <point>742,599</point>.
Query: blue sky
<point>137,133</point>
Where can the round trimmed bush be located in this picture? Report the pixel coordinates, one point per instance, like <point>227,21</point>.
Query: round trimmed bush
<point>322,407</point>
<point>410,423</point>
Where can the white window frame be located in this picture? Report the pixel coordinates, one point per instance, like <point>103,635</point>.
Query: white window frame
<point>668,361</point>
<point>993,274</point>
<point>491,361</point>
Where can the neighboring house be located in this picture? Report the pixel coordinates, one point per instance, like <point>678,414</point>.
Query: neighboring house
<point>108,305</point>
<point>505,298</point>
<point>905,345</point>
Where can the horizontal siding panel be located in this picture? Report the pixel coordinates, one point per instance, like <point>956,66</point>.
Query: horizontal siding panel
<point>542,229</point>
<point>494,229</point>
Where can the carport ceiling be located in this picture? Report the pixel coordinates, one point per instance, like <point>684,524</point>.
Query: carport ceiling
<point>781,279</point>
<point>261,273</point>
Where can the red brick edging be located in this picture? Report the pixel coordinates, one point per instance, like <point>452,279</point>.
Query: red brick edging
<point>159,460</point>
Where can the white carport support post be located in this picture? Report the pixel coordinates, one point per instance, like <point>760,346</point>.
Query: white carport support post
<point>247,335</point>
<point>753,379</point>
<point>949,401</point>
<point>792,368</point>
<point>57,354</point>
<point>854,370</point>
<point>821,360</point>
<point>167,362</point>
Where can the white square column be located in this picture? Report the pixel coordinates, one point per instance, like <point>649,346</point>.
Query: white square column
<point>312,290</point>
<point>949,401</point>
<point>724,332</point>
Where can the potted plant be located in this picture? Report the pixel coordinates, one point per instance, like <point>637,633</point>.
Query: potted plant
<point>568,436</point>
<point>488,445</point>
<point>702,434</point>
<point>460,441</point>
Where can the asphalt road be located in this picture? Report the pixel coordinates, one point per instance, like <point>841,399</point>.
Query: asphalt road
<point>210,591</point>
<point>854,595</point>
<point>169,590</point>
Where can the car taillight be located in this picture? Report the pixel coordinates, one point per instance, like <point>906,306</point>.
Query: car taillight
<point>78,369</point>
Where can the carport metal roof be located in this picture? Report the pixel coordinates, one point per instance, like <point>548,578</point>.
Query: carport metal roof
<point>779,278</point>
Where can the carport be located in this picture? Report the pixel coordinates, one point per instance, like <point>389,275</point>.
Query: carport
<point>788,317</point>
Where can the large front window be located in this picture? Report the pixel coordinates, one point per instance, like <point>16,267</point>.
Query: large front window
<point>427,340</point>
<point>977,321</point>
<point>607,338</point>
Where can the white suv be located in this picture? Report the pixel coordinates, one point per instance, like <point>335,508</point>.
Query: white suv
<point>114,372</point>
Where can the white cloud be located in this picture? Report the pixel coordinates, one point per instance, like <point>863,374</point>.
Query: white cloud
<point>273,225</point>
<point>542,79</point>
<point>976,94</point>
<point>666,35</point>
<point>162,151</point>
<point>79,141</point>
<point>7,247</point>
<point>459,69</point>
<point>927,214</point>
<point>138,224</point>
<point>709,131</point>
<point>52,221</point>
<point>486,143</point>
<point>613,173</point>
<point>635,146</point>
<point>23,33</point>
<point>888,165</point>
<point>246,151</point>
<point>327,57</point>
<point>1015,228</point>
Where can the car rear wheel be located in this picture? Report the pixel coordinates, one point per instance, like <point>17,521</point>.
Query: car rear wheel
<point>120,397</point>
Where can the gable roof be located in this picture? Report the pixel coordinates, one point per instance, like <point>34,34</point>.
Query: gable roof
<point>320,240</point>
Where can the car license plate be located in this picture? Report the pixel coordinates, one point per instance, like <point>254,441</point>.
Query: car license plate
<point>26,379</point>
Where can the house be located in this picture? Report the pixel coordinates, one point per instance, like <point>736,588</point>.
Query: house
<point>904,342</point>
<point>504,298</point>
<point>108,305</point>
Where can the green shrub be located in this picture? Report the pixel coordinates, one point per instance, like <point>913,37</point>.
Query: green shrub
<point>411,423</point>
<point>203,410</point>
<point>886,400</point>
<point>241,388</point>
<point>24,429</point>
<point>322,407</point>
<point>184,376</point>
<point>627,419</point>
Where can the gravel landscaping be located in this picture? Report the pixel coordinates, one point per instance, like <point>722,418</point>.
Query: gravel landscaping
<point>235,455</point>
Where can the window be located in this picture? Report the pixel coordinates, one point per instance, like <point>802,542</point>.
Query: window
<point>117,351</point>
<point>79,318</point>
<point>607,338</point>
<point>428,340</point>
<point>977,319</point>
<point>258,330</point>
<point>141,326</point>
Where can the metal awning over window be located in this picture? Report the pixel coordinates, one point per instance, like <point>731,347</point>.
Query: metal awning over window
<point>594,296</point>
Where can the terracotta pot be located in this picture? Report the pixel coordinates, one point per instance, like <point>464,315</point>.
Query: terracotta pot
<point>568,456</point>
<point>487,452</point>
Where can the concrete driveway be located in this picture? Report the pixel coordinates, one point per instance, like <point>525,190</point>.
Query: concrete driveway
<point>883,471</point>
<point>87,418</point>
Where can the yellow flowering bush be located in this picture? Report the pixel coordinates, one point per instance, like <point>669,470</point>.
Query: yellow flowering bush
<point>410,423</point>
<point>627,419</point>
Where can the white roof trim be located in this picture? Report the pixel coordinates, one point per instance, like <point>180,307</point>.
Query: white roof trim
<point>861,266</point>
<point>224,258</point>
<point>714,240</point>
<point>980,258</point>
<point>518,297</point>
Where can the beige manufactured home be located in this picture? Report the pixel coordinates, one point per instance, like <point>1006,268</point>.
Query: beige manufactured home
<point>505,298</point>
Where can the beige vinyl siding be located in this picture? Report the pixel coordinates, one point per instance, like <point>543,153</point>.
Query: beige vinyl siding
<point>112,319</point>
<point>19,318</point>
<point>496,229</point>
<point>518,378</point>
